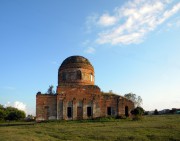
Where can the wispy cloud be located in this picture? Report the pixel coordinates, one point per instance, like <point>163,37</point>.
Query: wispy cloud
<point>131,22</point>
<point>86,42</point>
<point>90,20</point>
<point>90,50</point>
<point>174,23</point>
<point>89,47</point>
<point>9,88</point>
<point>107,20</point>
<point>54,63</point>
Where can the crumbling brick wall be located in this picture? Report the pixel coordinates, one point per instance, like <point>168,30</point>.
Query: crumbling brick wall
<point>46,107</point>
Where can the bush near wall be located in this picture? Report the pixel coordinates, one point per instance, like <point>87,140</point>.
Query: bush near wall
<point>137,113</point>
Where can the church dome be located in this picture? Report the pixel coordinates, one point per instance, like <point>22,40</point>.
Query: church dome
<point>75,62</point>
<point>76,70</point>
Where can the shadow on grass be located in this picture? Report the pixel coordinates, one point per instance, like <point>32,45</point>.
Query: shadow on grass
<point>105,119</point>
<point>16,124</point>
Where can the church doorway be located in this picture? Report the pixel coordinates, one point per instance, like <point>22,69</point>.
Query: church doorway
<point>126,111</point>
<point>69,112</point>
<point>89,111</point>
<point>109,111</point>
<point>79,113</point>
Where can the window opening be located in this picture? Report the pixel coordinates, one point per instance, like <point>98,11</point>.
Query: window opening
<point>79,75</point>
<point>91,77</point>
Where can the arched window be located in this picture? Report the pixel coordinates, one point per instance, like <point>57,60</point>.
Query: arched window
<point>79,75</point>
<point>91,77</point>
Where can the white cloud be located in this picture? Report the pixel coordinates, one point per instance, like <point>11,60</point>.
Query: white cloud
<point>17,104</point>
<point>90,50</point>
<point>20,105</point>
<point>131,22</point>
<point>106,20</point>
<point>169,13</point>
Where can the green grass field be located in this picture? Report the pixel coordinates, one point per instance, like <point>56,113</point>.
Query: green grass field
<point>155,128</point>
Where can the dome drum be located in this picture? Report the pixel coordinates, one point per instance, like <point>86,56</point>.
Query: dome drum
<point>76,70</point>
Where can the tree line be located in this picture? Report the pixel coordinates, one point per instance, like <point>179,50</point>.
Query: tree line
<point>11,113</point>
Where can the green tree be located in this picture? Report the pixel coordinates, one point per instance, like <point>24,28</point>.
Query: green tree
<point>156,112</point>
<point>1,106</point>
<point>50,90</point>
<point>134,98</point>
<point>2,114</point>
<point>14,114</point>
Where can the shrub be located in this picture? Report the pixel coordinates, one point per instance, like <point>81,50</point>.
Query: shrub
<point>15,115</point>
<point>137,113</point>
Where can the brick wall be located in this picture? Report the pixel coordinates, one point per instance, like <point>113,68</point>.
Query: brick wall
<point>46,107</point>
<point>80,98</point>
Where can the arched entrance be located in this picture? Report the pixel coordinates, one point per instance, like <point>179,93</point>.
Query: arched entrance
<point>126,111</point>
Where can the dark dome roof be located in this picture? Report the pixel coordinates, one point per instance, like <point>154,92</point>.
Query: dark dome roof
<point>75,61</point>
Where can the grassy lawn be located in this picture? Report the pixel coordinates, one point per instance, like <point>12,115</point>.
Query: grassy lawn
<point>155,128</point>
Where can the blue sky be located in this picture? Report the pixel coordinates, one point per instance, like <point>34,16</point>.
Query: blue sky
<point>133,45</point>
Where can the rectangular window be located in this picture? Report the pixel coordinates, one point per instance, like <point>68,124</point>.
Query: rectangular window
<point>109,111</point>
<point>89,111</point>
<point>69,112</point>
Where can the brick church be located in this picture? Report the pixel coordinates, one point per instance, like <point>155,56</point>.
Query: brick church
<point>77,97</point>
